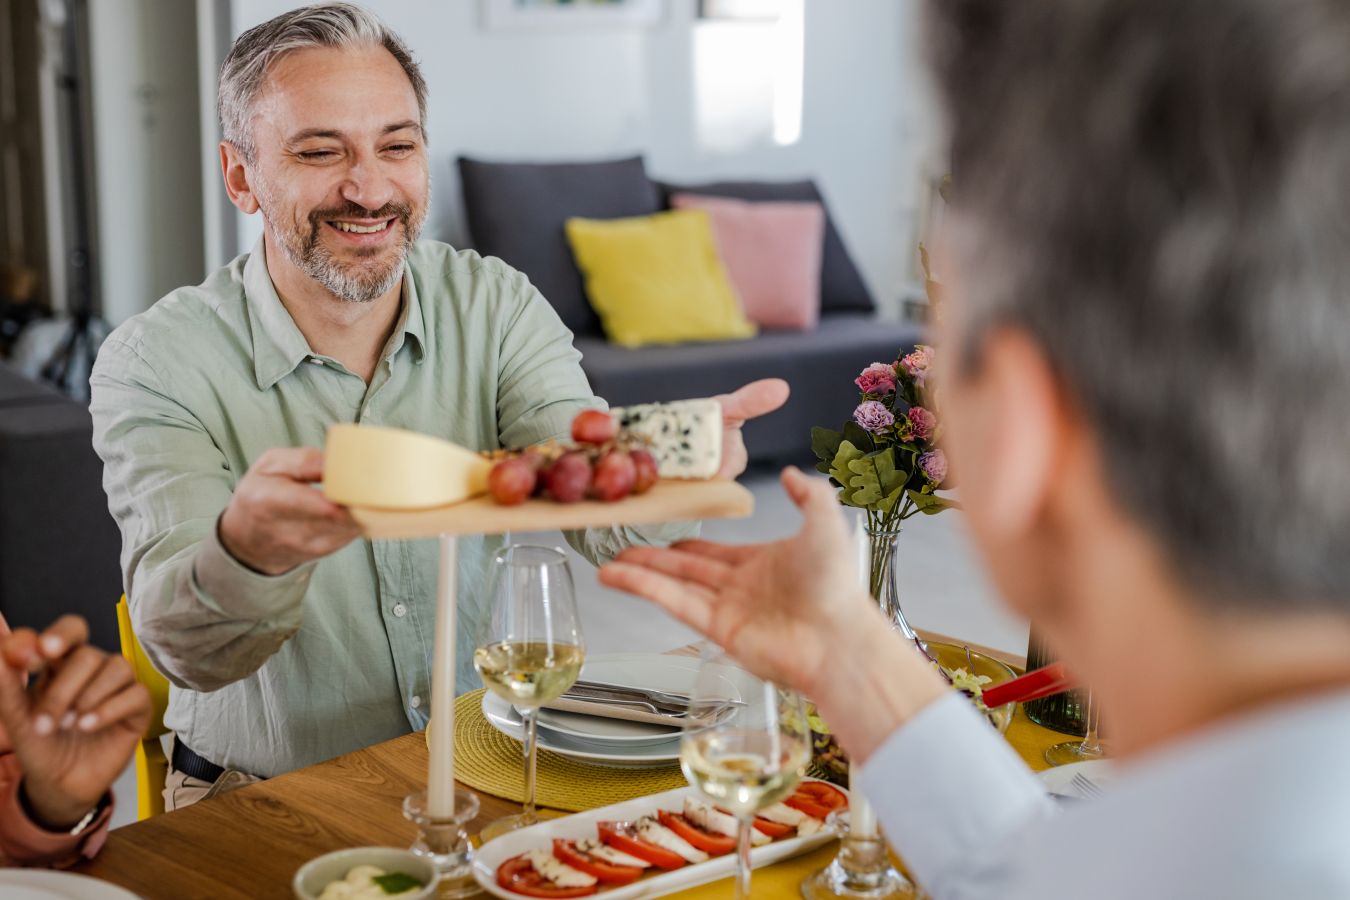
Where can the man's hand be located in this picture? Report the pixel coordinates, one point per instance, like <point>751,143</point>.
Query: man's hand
<point>75,730</point>
<point>277,521</point>
<point>758,398</point>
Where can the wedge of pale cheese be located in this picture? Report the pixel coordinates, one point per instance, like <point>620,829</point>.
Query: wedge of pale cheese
<point>389,468</point>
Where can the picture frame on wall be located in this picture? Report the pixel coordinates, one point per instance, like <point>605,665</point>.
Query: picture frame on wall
<point>516,15</point>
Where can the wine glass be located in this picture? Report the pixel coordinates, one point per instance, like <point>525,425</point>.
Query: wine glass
<point>531,649</point>
<point>745,744</point>
<point>1090,747</point>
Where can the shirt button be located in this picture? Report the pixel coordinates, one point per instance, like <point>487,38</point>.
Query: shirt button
<point>315,361</point>
<point>415,702</point>
<point>400,610</point>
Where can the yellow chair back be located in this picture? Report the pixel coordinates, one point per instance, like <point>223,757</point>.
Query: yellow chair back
<point>152,766</point>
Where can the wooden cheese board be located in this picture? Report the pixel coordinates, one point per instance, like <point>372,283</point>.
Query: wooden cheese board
<point>667,501</point>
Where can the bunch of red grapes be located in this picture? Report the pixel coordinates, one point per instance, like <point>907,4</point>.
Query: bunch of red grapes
<point>601,465</point>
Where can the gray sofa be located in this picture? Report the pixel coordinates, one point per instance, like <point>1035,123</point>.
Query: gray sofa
<point>516,211</point>
<point>58,543</point>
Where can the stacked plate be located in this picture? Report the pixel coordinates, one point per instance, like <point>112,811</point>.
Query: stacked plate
<point>605,741</point>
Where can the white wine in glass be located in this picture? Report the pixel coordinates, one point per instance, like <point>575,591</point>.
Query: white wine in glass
<point>531,650</point>
<point>747,756</point>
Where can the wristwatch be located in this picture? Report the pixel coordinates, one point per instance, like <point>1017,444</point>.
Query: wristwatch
<point>90,817</point>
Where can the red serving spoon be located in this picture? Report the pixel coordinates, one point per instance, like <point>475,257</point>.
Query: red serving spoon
<point>1032,686</point>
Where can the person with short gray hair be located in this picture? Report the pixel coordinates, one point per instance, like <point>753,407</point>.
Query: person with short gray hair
<point>1144,372</point>
<point>288,639</point>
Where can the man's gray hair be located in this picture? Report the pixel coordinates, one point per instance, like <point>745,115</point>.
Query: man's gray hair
<point>245,69</point>
<point>1158,191</point>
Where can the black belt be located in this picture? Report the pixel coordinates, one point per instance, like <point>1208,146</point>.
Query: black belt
<point>192,765</point>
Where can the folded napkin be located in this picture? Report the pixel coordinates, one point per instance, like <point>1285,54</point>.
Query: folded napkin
<point>615,711</point>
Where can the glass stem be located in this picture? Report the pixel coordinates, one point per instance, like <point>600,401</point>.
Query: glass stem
<point>1091,746</point>
<point>744,824</point>
<point>528,814</point>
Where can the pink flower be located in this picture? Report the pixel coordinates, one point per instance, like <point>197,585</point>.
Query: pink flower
<point>918,363</point>
<point>933,464</point>
<point>923,423</point>
<point>878,378</point>
<point>873,416</point>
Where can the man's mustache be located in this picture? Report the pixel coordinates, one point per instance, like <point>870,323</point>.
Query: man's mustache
<point>401,211</point>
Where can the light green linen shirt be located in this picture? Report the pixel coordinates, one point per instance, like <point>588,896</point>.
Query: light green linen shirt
<point>273,673</point>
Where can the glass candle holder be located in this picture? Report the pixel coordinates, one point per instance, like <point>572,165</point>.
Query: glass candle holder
<point>445,842</point>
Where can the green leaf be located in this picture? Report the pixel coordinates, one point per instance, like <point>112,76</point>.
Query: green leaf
<point>396,882</point>
<point>876,482</point>
<point>825,444</point>
<point>842,474</point>
<point>931,504</point>
<point>859,437</point>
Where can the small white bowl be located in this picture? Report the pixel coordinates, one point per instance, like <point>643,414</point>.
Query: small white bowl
<point>318,873</point>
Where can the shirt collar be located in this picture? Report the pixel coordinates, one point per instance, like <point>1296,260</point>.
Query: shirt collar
<point>278,344</point>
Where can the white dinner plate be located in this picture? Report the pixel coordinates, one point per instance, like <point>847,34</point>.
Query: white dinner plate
<point>1057,779</point>
<point>582,825</point>
<point>40,884</point>
<point>504,718</point>
<point>652,671</point>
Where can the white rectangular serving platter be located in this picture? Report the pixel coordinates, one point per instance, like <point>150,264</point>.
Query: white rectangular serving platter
<point>577,826</point>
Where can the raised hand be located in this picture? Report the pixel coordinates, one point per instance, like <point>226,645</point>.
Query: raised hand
<point>769,605</point>
<point>758,398</point>
<point>75,728</point>
<point>276,520</point>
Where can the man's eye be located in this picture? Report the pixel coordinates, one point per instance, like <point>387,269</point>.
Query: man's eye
<point>317,154</point>
<point>401,148</point>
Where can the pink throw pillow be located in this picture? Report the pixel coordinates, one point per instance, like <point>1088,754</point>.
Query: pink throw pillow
<point>772,252</point>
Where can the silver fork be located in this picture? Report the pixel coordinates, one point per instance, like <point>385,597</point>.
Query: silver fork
<point>1085,786</point>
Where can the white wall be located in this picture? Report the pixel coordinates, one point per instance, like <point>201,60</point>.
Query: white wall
<point>147,151</point>
<point>556,95</point>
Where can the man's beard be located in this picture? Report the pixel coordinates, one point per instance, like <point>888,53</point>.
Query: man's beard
<point>360,282</point>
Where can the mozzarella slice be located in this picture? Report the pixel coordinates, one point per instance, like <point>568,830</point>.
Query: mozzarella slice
<point>718,822</point>
<point>809,826</point>
<point>783,814</point>
<point>601,850</point>
<point>547,865</point>
<point>654,832</point>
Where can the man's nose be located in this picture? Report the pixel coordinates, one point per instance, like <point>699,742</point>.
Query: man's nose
<point>367,185</point>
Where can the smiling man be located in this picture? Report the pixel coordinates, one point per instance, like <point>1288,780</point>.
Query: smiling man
<point>287,640</point>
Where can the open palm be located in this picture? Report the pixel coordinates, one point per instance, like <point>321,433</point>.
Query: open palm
<point>790,589</point>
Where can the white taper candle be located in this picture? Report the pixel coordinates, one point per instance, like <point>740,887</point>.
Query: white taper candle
<point>441,778</point>
<point>862,819</point>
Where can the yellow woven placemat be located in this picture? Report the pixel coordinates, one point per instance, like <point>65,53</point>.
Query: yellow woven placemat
<point>489,761</point>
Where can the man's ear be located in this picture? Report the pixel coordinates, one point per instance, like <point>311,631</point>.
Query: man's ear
<point>235,171</point>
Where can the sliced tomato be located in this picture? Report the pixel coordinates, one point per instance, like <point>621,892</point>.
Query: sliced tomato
<point>623,836</point>
<point>608,872</point>
<point>774,830</point>
<point>710,842</point>
<point>817,798</point>
<point>518,874</point>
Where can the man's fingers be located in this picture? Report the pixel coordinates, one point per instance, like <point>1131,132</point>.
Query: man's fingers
<point>757,398</point>
<point>13,699</point>
<point>131,706</point>
<point>685,566</point>
<point>296,463</point>
<point>63,635</point>
<point>689,603</point>
<point>56,699</point>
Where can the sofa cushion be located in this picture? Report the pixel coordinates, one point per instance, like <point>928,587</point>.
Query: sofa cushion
<point>516,211</point>
<point>818,365</point>
<point>657,279</point>
<point>772,253</point>
<point>841,286</point>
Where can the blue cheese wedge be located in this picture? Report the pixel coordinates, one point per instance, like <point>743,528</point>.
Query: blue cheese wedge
<point>561,874</point>
<point>685,436</point>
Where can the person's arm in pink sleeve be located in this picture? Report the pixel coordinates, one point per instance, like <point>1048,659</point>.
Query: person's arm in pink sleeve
<point>25,842</point>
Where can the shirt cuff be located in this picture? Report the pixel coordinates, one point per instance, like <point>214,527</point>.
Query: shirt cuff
<point>24,841</point>
<point>222,581</point>
<point>946,785</point>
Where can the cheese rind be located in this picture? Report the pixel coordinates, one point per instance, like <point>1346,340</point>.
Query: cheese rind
<point>686,435</point>
<point>389,468</point>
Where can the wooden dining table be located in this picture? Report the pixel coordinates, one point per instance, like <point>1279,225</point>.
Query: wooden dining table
<point>247,844</point>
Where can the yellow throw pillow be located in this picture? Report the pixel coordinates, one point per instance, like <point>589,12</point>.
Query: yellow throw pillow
<point>657,279</point>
